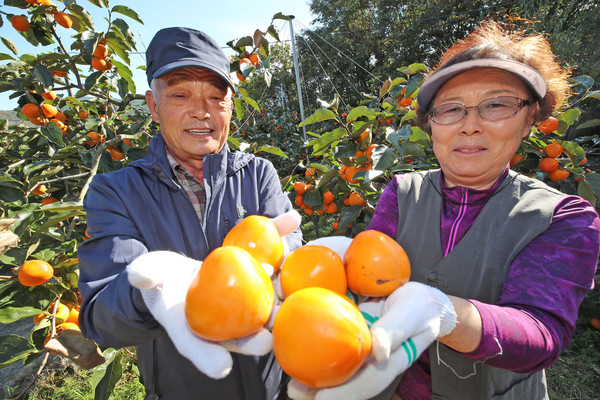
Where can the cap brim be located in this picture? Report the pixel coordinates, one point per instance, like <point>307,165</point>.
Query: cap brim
<point>434,82</point>
<point>165,69</point>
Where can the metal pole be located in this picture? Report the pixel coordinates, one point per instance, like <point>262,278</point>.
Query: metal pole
<point>297,76</point>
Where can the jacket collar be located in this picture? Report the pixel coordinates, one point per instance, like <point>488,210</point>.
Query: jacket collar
<point>216,167</point>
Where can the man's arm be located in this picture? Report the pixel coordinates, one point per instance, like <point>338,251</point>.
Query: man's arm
<point>113,313</point>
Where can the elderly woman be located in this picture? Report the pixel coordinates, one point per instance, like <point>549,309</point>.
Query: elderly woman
<point>506,255</point>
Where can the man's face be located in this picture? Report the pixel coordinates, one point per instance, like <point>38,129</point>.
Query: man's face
<point>193,107</point>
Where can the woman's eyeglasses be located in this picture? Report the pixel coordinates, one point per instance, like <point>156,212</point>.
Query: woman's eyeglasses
<point>493,109</point>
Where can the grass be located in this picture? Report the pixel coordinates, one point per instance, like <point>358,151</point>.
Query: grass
<point>576,374</point>
<point>61,380</point>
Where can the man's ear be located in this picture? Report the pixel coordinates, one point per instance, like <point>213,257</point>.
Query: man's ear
<point>152,106</point>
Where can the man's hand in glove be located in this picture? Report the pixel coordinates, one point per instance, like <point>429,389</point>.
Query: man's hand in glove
<point>164,278</point>
<point>411,318</point>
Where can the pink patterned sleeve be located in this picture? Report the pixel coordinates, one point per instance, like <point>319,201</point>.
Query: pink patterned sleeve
<point>535,317</point>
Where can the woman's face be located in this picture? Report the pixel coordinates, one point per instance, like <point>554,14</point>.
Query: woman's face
<point>473,152</point>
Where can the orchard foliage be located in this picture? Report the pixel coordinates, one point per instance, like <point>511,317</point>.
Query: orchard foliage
<point>75,120</point>
<point>79,114</point>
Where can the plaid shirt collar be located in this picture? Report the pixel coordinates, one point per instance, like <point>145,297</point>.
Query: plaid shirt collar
<point>193,188</point>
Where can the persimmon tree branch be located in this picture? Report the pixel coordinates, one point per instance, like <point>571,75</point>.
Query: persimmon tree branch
<point>102,147</point>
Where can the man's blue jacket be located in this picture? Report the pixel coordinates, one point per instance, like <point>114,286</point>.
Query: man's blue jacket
<point>142,208</point>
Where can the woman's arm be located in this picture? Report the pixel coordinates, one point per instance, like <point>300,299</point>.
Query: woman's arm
<point>535,316</point>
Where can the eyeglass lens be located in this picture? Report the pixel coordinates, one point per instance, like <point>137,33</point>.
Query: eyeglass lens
<point>492,109</point>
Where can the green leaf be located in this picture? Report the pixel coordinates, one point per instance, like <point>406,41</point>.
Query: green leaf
<point>64,206</point>
<point>35,166</point>
<point>385,88</point>
<point>53,133</point>
<point>233,143</point>
<point>245,41</point>
<point>56,219</point>
<point>12,314</point>
<point>594,181</point>
<point>413,84</point>
<point>589,124</point>
<point>569,116</point>
<point>48,172</point>
<point>414,68</point>
<point>313,198</point>
<point>400,137</point>
<point>348,216</point>
<point>14,348</point>
<point>118,47</point>
<point>239,108</point>
<point>584,189</point>
<point>41,73</point>
<point>282,16</point>
<point>358,112</point>
<point>12,196</point>
<point>252,103</point>
<point>97,3</point>
<point>345,149</point>
<point>14,257</point>
<point>273,150</point>
<point>327,177</point>
<point>327,139</point>
<point>11,46</point>
<point>72,101</point>
<point>127,77</point>
<point>575,152</point>
<point>408,116</point>
<point>383,157</point>
<point>106,376</point>
<point>8,180</point>
<point>123,69</point>
<point>24,301</point>
<point>121,28</point>
<point>92,80</point>
<point>585,80</point>
<point>82,15</point>
<point>595,94</point>
<point>127,12</point>
<point>274,32</point>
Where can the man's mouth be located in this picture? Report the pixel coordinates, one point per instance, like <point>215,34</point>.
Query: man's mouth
<point>199,132</point>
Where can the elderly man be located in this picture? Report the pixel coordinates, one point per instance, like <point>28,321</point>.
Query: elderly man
<point>182,198</point>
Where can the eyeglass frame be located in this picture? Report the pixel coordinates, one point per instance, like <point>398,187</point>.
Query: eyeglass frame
<point>522,103</point>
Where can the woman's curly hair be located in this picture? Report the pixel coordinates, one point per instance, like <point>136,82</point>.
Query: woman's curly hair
<point>495,40</point>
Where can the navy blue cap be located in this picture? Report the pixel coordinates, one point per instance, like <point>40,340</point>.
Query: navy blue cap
<point>175,48</point>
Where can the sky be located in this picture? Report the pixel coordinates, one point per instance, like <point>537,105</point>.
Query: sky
<point>224,20</point>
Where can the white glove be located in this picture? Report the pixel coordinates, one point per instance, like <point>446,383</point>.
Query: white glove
<point>164,293</point>
<point>339,244</point>
<point>412,317</point>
